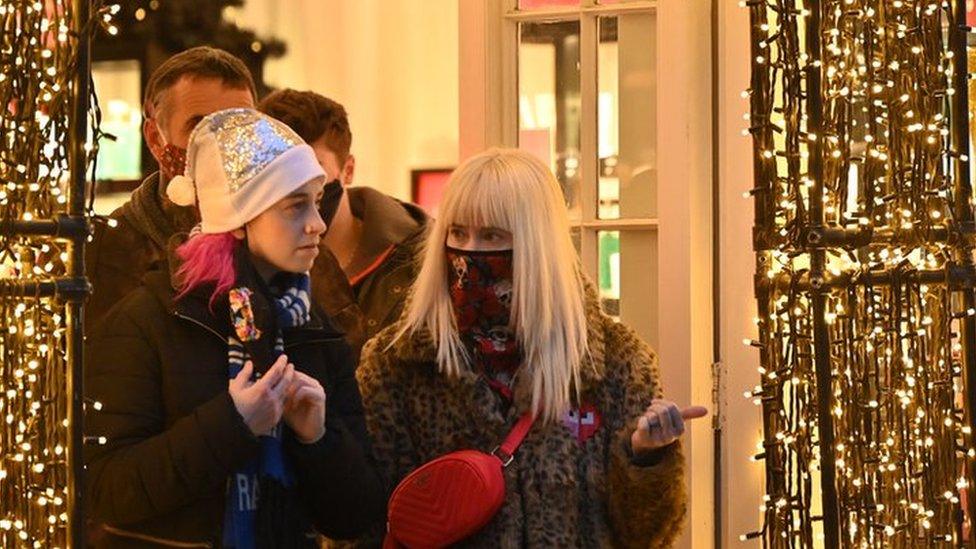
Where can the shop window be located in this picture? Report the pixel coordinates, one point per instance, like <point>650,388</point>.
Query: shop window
<point>586,105</point>
<point>549,101</point>
<point>117,84</point>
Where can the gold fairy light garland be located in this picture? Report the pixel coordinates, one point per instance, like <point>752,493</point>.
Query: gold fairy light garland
<point>44,86</point>
<point>863,238</point>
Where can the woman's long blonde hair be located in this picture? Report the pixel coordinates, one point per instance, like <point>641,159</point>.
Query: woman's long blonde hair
<point>511,190</point>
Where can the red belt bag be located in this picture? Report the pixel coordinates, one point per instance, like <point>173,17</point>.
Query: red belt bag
<point>451,497</point>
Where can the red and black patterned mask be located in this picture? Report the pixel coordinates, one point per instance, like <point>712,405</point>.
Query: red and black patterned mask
<point>481,295</point>
<point>171,158</point>
<point>172,161</point>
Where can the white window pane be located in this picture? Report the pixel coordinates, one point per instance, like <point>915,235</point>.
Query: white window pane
<point>549,100</point>
<point>626,115</point>
<point>627,279</point>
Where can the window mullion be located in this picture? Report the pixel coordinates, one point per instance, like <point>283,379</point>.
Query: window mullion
<point>589,35</point>
<point>508,69</point>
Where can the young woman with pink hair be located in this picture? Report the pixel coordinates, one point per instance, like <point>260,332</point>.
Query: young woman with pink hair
<point>229,412</point>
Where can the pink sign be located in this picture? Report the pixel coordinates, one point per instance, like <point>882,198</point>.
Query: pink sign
<point>537,142</point>
<point>428,188</point>
<point>534,4</point>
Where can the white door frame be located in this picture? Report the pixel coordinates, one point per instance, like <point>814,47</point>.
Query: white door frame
<point>488,117</point>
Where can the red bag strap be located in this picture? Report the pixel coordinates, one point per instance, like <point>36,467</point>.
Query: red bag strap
<point>506,451</point>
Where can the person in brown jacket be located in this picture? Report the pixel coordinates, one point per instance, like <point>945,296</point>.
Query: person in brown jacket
<point>502,322</point>
<point>368,253</point>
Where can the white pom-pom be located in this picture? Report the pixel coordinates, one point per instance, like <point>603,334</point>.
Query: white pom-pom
<point>181,191</point>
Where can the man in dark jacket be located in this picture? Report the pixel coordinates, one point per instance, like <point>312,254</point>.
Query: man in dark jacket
<point>184,89</point>
<point>366,260</point>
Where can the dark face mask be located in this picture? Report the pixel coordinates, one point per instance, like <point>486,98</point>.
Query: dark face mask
<point>481,296</point>
<point>331,196</point>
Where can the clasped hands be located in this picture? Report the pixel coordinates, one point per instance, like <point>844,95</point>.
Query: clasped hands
<point>282,393</point>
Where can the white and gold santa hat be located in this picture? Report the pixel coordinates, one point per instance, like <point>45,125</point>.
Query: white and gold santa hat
<point>239,163</point>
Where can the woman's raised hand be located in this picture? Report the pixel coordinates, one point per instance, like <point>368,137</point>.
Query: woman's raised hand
<point>262,402</point>
<point>662,423</point>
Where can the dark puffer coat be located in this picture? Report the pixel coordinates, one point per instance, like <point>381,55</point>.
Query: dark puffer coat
<point>173,436</point>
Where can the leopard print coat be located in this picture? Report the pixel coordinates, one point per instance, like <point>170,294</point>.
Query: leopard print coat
<point>559,492</point>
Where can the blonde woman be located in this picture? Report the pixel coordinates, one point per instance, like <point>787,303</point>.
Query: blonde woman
<point>501,322</point>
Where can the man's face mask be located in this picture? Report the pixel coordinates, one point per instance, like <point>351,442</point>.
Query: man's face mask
<point>172,159</point>
<point>331,196</point>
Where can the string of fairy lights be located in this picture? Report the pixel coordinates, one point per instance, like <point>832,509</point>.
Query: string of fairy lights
<point>41,75</point>
<point>864,279</point>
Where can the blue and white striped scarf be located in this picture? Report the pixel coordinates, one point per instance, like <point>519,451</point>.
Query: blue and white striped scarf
<point>292,305</point>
